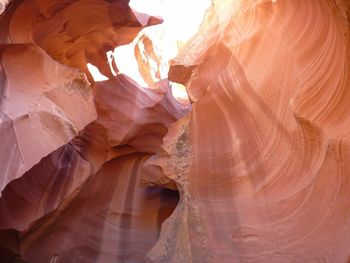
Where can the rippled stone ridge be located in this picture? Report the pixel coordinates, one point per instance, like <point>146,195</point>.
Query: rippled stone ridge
<point>105,157</point>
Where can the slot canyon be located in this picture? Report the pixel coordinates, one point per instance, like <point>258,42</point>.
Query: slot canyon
<point>180,131</point>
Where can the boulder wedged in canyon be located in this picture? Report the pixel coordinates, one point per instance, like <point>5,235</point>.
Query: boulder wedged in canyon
<point>256,156</point>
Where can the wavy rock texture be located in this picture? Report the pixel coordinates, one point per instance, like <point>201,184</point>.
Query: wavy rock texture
<point>254,169</point>
<point>130,120</point>
<point>263,175</point>
<point>113,219</point>
<point>43,188</point>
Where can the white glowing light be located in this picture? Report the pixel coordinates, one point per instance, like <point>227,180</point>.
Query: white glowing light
<point>181,17</point>
<point>179,92</point>
<point>150,7</point>
<point>110,56</point>
<point>96,74</point>
<point>127,64</point>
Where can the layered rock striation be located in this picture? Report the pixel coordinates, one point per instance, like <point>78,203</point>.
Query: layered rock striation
<point>104,158</point>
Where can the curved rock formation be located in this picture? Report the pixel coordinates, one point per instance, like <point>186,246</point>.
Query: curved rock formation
<point>113,219</point>
<point>38,101</point>
<point>123,166</point>
<point>262,174</point>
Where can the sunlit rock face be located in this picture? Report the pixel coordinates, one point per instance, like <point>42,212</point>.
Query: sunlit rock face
<point>261,162</point>
<point>187,131</point>
<point>38,112</point>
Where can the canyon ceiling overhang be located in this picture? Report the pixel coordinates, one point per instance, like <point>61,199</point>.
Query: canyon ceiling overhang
<point>174,131</point>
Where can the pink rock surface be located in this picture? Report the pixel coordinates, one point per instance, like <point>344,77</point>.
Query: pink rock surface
<point>43,188</point>
<point>117,131</point>
<point>257,158</point>
<point>3,5</point>
<point>39,102</point>
<point>75,32</point>
<point>113,219</point>
<point>260,160</point>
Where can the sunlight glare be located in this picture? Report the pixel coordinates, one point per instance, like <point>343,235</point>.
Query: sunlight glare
<point>96,74</point>
<point>182,17</point>
<point>179,92</point>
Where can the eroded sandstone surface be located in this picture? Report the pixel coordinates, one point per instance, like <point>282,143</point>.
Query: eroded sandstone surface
<point>143,133</point>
